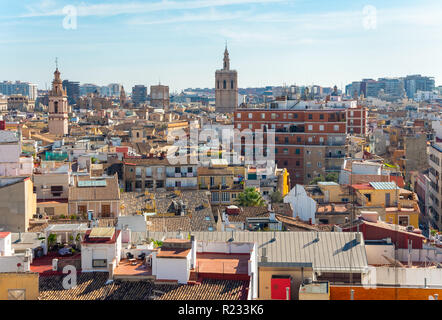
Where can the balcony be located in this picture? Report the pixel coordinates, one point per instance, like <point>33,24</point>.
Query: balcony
<point>334,156</point>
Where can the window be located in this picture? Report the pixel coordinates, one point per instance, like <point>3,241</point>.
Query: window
<point>276,150</point>
<point>250,126</point>
<point>215,196</point>
<point>148,171</point>
<point>298,139</point>
<point>297,163</point>
<point>310,127</point>
<point>321,139</point>
<point>285,151</point>
<point>284,116</point>
<point>217,84</point>
<point>404,221</point>
<point>159,171</point>
<point>160,183</point>
<point>319,164</point>
<point>99,263</point>
<point>138,171</point>
<point>286,163</point>
<point>148,184</point>
<point>368,196</point>
<point>225,197</point>
<point>231,84</point>
<point>239,126</point>
<point>233,195</point>
<point>298,151</point>
<point>190,170</point>
<point>224,84</point>
<point>310,116</point>
<point>263,115</point>
<point>177,170</point>
<point>321,116</point>
<point>238,115</point>
<point>321,127</point>
<point>286,140</point>
<point>336,127</point>
<point>138,184</point>
<point>273,115</point>
<point>310,139</point>
<point>250,116</point>
<point>309,164</point>
<point>295,115</point>
<point>56,188</point>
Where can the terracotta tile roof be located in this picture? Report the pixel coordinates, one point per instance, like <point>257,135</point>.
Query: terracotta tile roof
<point>88,240</point>
<point>92,286</point>
<point>248,212</point>
<point>169,223</point>
<point>283,209</point>
<point>4,234</point>
<point>173,253</point>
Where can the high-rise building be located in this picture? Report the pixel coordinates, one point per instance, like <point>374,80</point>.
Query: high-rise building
<point>24,88</point>
<point>159,96</point>
<point>226,87</point>
<point>115,89</point>
<point>58,107</point>
<point>87,88</point>
<point>73,90</point>
<point>414,83</point>
<point>139,94</point>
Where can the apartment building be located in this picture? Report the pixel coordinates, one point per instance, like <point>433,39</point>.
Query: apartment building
<point>435,196</point>
<point>308,142</point>
<point>224,182</point>
<point>154,173</point>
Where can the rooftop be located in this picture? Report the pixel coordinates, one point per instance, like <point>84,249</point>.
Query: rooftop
<point>94,286</point>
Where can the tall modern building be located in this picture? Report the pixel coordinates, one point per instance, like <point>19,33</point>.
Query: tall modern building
<point>226,87</point>
<point>159,96</point>
<point>414,83</point>
<point>24,88</point>
<point>73,90</point>
<point>58,107</point>
<point>139,94</point>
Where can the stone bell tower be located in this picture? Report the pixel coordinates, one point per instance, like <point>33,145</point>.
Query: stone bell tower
<point>226,87</point>
<point>58,107</point>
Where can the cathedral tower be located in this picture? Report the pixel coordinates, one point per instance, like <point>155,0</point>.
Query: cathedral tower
<point>226,87</point>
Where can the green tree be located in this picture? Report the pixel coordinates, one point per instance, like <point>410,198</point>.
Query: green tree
<point>276,197</point>
<point>333,176</point>
<point>315,180</point>
<point>250,197</point>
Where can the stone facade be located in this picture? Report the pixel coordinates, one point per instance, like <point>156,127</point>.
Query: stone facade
<point>226,87</point>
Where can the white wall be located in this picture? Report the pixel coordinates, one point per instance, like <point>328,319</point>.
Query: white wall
<point>420,255</point>
<point>99,251</point>
<point>303,206</point>
<point>10,264</point>
<point>224,247</point>
<point>173,269</point>
<point>9,152</point>
<point>405,276</point>
<point>6,246</point>
<point>375,252</point>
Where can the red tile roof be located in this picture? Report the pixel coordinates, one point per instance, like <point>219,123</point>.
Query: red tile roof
<point>4,234</point>
<point>88,240</point>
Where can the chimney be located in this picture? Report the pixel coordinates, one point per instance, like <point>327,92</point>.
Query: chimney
<point>264,255</point>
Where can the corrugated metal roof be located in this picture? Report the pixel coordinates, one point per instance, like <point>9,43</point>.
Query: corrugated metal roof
<point>8,136</point>
<point>331,251</point>
<point>384,185</point>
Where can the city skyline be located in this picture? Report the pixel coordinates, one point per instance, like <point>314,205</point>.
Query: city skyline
<point>181,43</point>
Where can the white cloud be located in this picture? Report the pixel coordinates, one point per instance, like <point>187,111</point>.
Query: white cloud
<point>114,9</point>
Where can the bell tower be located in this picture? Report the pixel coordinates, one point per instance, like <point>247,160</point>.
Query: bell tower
<point>58,106</point>
<point>226,86</point>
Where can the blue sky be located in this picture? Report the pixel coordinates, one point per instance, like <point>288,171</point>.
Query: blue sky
<point>181,42</point>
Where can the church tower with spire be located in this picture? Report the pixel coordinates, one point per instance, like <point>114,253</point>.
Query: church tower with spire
<point>226,87</point>
<point>58,107</point>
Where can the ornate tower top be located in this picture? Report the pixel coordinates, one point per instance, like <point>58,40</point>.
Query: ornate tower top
<point>57,85</point>
<point>226,65</point>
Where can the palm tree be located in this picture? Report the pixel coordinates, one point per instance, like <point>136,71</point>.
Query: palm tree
<point>250,197</point>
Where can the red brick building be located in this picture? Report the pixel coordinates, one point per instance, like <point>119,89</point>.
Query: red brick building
<point>357,121</point>
<point>308,142</point>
